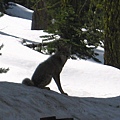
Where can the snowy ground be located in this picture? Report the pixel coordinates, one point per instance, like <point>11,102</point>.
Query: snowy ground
<point>80,79</point>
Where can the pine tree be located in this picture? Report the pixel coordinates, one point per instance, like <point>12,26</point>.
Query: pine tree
<point>112,33</point>
<point>70,19</point>
<point>3,70</point>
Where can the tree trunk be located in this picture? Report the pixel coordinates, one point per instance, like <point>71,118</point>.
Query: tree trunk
<point>40,17</point>
<point>112,33</point>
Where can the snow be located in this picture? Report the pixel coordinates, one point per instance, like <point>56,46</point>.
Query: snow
<point>34,103</point>
<point>93,88</point>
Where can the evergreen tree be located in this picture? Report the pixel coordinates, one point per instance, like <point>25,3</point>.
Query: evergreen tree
<point>3,70</point>
<point>77,22</point>
<point>112,33</point>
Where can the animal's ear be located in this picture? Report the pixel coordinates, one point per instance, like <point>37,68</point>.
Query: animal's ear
<point>63,45</point>
<point>69,47</point>
<point>59,45</point>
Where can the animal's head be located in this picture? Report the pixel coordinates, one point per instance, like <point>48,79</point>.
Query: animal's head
<point>64,49</point>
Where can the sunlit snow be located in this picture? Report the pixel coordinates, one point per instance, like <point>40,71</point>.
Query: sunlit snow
<point>93,88</point>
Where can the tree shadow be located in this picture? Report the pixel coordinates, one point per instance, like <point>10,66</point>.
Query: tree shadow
<point>26,40</point>
<point>3,33</point>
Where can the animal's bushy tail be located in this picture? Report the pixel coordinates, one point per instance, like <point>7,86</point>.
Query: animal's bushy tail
<point>27,82</point>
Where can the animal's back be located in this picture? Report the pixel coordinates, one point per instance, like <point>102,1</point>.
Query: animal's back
<point>46,70</point>
<point>52,67</point>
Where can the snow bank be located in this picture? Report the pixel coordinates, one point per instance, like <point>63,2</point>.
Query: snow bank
<point>96,86</point>
<point>19,102</point>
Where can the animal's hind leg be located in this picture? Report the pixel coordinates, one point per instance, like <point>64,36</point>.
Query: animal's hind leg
<point>46,81</point>
<point>47,88</point>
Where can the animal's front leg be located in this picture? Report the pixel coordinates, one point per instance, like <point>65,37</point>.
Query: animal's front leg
<point>57,80</point>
